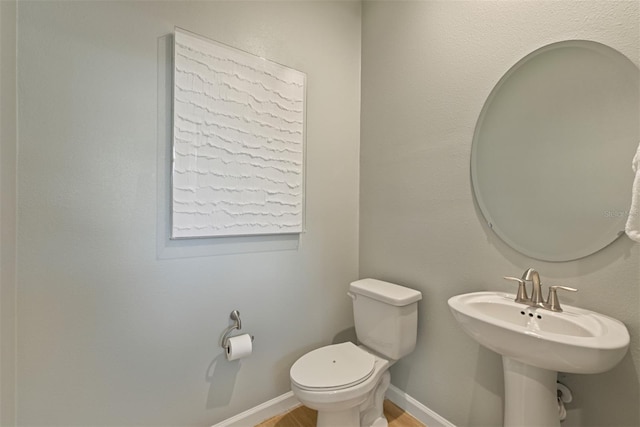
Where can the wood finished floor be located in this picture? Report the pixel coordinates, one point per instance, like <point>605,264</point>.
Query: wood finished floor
<point>305,417</point>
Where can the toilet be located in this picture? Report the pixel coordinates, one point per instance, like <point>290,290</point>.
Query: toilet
<point>346,383</point>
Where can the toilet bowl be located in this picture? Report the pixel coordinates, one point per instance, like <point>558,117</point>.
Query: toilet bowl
<point>346,383</point>
<point>337,380</point>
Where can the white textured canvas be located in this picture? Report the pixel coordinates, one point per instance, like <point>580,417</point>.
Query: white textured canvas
<point>238,142</point>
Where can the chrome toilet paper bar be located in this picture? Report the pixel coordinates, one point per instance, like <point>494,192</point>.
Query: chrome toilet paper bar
<point>235,316</point>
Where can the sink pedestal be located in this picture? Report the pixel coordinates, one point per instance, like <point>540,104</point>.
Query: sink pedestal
<point>530,395</point>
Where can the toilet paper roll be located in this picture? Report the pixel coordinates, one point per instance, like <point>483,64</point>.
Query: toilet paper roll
<point>239,346</point>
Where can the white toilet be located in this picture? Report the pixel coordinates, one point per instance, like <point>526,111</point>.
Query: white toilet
<point>346,383</point>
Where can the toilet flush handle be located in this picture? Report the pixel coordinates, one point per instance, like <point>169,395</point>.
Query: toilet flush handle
<point>352,295</point>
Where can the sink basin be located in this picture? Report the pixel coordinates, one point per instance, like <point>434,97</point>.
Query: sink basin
<point>574,341</point>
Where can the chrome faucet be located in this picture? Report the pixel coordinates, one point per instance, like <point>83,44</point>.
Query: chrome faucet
<point>537,300</point>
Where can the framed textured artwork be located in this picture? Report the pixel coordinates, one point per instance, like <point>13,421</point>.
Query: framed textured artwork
<point>238,142</point>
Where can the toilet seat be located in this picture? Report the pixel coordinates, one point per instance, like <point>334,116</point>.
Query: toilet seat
<point>334,367</point>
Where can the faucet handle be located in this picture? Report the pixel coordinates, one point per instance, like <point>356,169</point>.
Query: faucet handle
<point>553,303</point>
<point>521,296</point>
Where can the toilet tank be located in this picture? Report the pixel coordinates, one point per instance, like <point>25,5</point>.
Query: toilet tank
<point>386,316</point>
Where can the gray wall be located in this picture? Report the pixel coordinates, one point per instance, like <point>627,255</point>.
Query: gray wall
<point>427,70</point>
<point>116,325</point>
<point>7,209</point>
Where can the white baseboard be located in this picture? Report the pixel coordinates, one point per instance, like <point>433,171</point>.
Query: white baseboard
<point>264,411</point>
<point>288,401</point>
<point>420,412</point>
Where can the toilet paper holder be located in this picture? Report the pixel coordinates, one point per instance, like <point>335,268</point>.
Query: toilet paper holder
<point>237,324</point>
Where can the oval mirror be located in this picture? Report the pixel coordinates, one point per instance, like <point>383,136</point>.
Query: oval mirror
<point>552,150</point>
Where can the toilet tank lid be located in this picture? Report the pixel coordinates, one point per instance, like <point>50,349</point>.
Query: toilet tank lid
<point>385,292</point>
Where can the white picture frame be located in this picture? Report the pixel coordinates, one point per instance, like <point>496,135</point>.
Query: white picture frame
<point>238,142</point>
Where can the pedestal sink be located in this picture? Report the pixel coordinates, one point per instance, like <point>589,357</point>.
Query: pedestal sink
<point>535,345</point>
